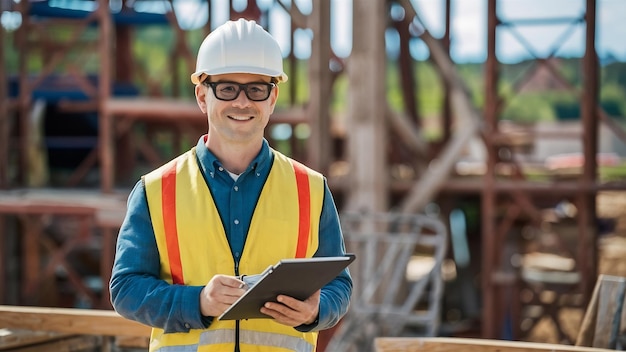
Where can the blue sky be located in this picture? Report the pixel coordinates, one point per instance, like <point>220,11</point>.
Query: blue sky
<point>469,26</point>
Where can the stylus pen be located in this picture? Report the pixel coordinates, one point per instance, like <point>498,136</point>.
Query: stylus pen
<point>243,284</point>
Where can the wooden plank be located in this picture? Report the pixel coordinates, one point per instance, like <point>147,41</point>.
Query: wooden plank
<point>587,327</point>
<point>601,323</point>
<point>174,110</point>
<point>109,209</point>
<point>4,118</point>
<point>68,320</point>
<point>441,344</point>
<point>10,339</point>
<point>156,109</point>
<point>610,303</point>
<point>68,344</point>
<point>132,342</point>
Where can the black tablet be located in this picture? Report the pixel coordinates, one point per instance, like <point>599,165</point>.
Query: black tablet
<point>298,278</point>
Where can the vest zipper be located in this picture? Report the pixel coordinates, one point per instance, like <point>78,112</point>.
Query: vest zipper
<point>237,336</point>
<point>237,322</point>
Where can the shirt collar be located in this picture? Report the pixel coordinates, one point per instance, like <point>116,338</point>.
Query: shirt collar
<point>209,162</point>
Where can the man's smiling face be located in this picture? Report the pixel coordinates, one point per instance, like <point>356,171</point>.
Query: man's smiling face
<point>240,120</point>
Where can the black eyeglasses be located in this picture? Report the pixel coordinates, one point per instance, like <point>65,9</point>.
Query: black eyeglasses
<point>228,91</point>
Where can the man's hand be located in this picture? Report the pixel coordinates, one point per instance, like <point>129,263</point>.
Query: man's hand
<point>219,294</point>
<point>292,312</point>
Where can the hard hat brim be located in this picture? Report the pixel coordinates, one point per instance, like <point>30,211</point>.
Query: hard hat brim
<point>280,76</point>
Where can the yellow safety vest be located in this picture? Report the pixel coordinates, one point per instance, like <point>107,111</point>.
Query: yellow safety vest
<point>193,247</point>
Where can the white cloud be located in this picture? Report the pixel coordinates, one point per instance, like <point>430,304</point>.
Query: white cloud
<point>468,33</point>
<point>341,27</point>
<point>611,28</point>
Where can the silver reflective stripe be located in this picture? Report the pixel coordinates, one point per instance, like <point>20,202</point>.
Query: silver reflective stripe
<point>256,338</point>
<point>217,336</point>
<point>185,348</point>
<point>275,340</point>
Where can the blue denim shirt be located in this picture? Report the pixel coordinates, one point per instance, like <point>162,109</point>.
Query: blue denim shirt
<point>138,292</point>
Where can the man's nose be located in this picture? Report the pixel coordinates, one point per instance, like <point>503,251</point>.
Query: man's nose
<point>242,98</point>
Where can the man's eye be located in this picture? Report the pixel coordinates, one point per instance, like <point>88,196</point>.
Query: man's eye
<point>228,88</point>
<point>255,89</point>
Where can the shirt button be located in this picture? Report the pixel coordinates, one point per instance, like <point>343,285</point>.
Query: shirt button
<point>187,325</point>
<point>258,174</point>
<point>220,168</point>
<point>236,222</point>
<point>236,188</point>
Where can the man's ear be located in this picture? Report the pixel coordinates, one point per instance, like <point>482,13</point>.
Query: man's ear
<point>201,92</point>
<point>274,98</point>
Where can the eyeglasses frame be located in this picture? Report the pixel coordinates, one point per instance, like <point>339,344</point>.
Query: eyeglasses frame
<point>242,87</point>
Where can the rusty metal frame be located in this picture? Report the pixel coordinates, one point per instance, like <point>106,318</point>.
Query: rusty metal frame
<point>25,42</point>
<point>4,117</point>
<point>583,192</point>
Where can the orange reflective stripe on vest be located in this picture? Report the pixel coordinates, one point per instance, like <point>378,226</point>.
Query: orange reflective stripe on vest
<point>304,202</point>
<point>168,192</point>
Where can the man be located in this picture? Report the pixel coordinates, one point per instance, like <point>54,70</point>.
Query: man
<point>230,206</point>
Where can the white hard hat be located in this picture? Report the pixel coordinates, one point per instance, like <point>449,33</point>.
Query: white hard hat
<point>239,47</point>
